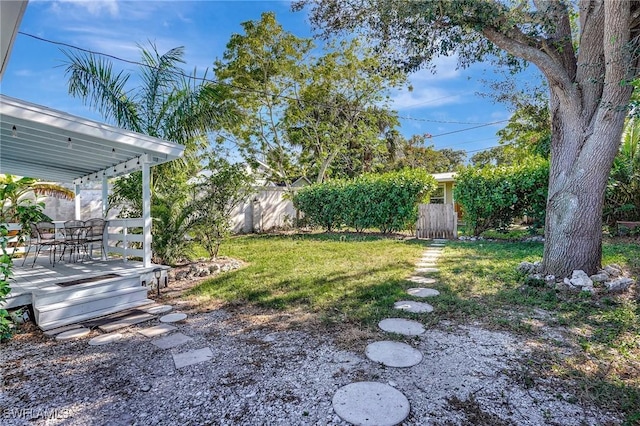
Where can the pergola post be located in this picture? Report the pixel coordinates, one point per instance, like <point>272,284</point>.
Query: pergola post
<point>78,204</point>
<point>146,210</point>
<point>105,197</point>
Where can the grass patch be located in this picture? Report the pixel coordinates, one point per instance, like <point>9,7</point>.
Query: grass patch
<point>342,277</point>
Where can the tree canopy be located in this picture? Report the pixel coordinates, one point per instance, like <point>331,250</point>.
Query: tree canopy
<point>304,114</point>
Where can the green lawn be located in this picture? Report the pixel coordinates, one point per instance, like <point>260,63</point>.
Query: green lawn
<point>347,278</point>
<point>342,277</point>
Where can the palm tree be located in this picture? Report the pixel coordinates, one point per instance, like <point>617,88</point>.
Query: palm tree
<point>166,103</point>
<point>15,191</point>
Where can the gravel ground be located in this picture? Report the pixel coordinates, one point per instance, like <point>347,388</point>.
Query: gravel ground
<point>271,370</point>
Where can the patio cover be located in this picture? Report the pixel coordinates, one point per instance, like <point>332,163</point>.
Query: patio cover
<point>43,143</point>
<point>40,142</point>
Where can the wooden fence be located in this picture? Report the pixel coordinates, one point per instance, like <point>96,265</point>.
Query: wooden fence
<point>437,221</point>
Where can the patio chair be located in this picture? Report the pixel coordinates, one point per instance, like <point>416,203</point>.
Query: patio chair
<point>95,235</point>
<point>31,241</point>
<point>74,238</point>
<point>42,234</point>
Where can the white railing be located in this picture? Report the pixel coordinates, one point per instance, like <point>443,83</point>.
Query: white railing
<point>121,233</point>
<point>122,237</point>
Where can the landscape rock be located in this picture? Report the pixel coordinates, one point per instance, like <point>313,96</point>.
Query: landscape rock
<point>599,277</point>
<point>550,280</point>
<point>613,270</point>
<point>526,268</point>
<point>203,268</point>
<point>534,239</point>
<point>580,279</point>
<point>619,284</point>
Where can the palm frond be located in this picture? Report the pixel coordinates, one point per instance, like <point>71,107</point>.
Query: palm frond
<point>49,189</point>
<point>93,80</point>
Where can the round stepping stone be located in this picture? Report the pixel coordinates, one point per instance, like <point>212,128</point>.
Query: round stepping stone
<point>178,316</point>
<point>105,339</point>
<point>401,326</point>
<point>160,309</point>
<point>422,280</point>
<point>73,334</point>
<point>423,292</point>
<point>370,403</point>
<point>427,270</point>
<point>411,306</point>
<point>393,354</point>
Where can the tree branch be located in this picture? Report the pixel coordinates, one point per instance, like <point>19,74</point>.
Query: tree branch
<point>553,70</point>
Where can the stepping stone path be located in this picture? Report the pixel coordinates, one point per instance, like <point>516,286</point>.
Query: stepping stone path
<point>171,341</point>
<point>393,354</point>
<point>159,309</point>
<point>423,292</point>
<point>76,331</point>
<point>371,403</point>
<point>105,339</point>
<point>73,334</point>
<point>427,270</point>
<point>401,326</point>
<point>177,317</point>
<point>421,280</point>
<point>157,330</point>
<point>126,322</point>
<point>192,357</point>
<point>415,307</point>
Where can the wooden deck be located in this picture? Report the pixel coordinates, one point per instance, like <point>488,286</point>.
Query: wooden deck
<point>44,277</point>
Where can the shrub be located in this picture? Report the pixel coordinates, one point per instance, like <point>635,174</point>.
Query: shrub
<point>492,197</point>
<point>388,202</point>
<point>322,204</point>
<point>216,195</point>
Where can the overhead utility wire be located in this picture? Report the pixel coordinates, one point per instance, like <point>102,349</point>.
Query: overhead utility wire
<point>468,128</point>
<point>194,77</point>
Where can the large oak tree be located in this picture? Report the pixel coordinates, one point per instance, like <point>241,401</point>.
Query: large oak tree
<point>587,50</point>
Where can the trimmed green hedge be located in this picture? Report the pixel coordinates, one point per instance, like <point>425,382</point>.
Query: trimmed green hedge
<point>388,202</point>
<point>492,197</point>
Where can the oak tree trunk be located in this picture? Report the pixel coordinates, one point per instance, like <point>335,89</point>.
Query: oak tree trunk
<point>581,157</point>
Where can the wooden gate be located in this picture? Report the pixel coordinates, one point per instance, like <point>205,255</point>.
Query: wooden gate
<point>437,221</point>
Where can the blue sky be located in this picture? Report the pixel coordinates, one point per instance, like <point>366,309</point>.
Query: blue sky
<point>35,72</point>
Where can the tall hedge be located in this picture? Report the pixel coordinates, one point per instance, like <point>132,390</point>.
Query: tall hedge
<point>492,197</point>
<point>388,202</point>
<point>322,204</point>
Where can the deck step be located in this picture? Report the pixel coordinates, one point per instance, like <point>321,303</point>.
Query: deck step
<point>61,294</point>
<point>90,315</point>
<point>82,305</point>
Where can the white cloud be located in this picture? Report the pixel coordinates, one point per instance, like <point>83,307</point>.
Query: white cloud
<point>94,7</point>
<point>445,69</point>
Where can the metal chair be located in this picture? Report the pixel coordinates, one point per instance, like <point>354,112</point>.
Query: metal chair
<point>95,234</point>
<point>74,237</point>
<point>32,241</point>
<point>42,234</point>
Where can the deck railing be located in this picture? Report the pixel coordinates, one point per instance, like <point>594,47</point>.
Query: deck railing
<point>124,237</point>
